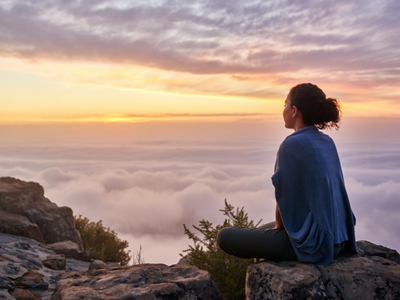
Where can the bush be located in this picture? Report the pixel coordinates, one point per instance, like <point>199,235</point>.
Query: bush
<point>227,271</point>
<point>102,242</point>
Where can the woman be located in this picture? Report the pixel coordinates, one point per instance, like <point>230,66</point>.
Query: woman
<point>313,219</point>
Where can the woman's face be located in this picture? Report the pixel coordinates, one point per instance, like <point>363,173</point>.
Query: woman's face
<point>288,113</point>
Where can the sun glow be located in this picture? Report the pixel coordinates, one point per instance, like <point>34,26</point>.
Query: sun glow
<point>93,92</point>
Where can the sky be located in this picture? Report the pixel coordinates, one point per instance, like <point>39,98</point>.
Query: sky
<point>133,60</point>
<point>148,114</point>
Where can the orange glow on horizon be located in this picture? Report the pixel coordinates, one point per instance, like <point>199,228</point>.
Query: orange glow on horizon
<point>44,92</point>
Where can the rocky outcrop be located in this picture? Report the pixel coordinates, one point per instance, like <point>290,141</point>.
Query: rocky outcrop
<point>25,272</point>
<point>24,211</point>
<point>374,273</point>
<point>29,271</point>
<point>147,281</point>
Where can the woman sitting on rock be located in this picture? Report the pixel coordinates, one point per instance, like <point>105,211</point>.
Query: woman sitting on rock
<point>313,219</point>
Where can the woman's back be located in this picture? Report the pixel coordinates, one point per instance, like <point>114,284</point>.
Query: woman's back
<point>311,195</point>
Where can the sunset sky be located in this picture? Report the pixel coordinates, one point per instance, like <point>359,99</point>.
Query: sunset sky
<point>140,60</point>
<point>148,114</point>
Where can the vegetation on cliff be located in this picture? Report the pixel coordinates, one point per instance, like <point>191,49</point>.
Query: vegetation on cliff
<point>102,242</point>
<point>227,271</point>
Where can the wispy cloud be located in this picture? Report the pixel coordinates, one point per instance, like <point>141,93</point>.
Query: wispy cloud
<point>283,41</point>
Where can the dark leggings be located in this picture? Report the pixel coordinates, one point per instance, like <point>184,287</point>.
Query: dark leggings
<point>263,242</point>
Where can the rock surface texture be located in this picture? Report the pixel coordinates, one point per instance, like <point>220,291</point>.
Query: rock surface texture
<point>69,249</point>
<point>139,282</point>
<point>55,262</point>
<point>24,211</point>
<point>25,272</point>
<point>374,273</point>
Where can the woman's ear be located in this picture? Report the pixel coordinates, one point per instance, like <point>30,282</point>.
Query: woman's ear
<point>295,111</point>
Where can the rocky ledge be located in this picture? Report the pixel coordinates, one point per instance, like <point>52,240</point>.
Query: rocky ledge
<point>24,211</point>
<point>146,281</point>
<point>29,271</point>
<point>374,273</point>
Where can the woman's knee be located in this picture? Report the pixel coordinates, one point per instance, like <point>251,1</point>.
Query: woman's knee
<point>223,237</point>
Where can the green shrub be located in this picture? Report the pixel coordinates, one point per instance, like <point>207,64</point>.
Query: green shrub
<point>227,271</point>
<point>102,242</point>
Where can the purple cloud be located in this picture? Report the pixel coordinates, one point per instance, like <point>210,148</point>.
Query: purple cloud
<point>208,37</point>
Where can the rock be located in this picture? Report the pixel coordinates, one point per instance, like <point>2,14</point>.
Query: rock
<point>366,248</point>
<point>184,260</point>
<point>374,273</point>
<point>4,295</point>
<point>31,280</point>
<point>55,262</point>
<point>24,211</point>
<point>98,264</point>
<point>20,294</point>
<point>21,255</point>
<point>146,281</point>
<point>113,264</point>
<point>69,249</point>
<point>6,283</point>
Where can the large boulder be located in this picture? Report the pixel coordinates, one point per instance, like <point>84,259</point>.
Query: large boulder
<point>374,273</point>
<point>146,281</point>
<point>24,211</point>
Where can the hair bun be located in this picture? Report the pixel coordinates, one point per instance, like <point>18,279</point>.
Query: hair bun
<point>316,108</point>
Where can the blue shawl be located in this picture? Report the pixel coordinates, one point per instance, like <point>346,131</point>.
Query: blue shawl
<point>312,198</point>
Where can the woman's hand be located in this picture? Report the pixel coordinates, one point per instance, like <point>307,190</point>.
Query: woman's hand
<point>278,218</point>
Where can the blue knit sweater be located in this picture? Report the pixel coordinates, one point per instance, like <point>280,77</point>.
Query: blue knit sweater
<point>312,198</point>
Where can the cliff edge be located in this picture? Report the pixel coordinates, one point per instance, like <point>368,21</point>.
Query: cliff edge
<point>24,211</point>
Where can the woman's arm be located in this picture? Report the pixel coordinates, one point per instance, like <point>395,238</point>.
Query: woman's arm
<point>278,218</point>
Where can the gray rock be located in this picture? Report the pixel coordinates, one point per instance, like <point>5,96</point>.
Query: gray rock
<point>24,211</point>
<point>32,280</point>
<point>75,265</point>
<point>6,283</point>
<point>20,255</point>
<point>113,264</point>
<point>69,249</point>
<point>184,260</point>
<point>374,273</point>
<point>55,262</point>
<point>97,264</point>
<point>146,281</point>
<point>4,295</point>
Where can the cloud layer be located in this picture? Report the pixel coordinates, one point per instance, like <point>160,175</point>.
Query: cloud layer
<point>146,189</point>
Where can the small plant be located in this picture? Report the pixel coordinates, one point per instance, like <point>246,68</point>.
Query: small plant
<point>138,260</point>
<point>102,242</point>
<point>227,271</point>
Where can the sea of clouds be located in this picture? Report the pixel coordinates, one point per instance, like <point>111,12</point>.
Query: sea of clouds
<point>146,180</point>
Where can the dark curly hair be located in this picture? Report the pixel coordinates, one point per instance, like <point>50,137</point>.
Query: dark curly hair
<point>315,108</point>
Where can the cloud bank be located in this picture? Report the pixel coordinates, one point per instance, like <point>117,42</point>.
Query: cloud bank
<point>146,189</point>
